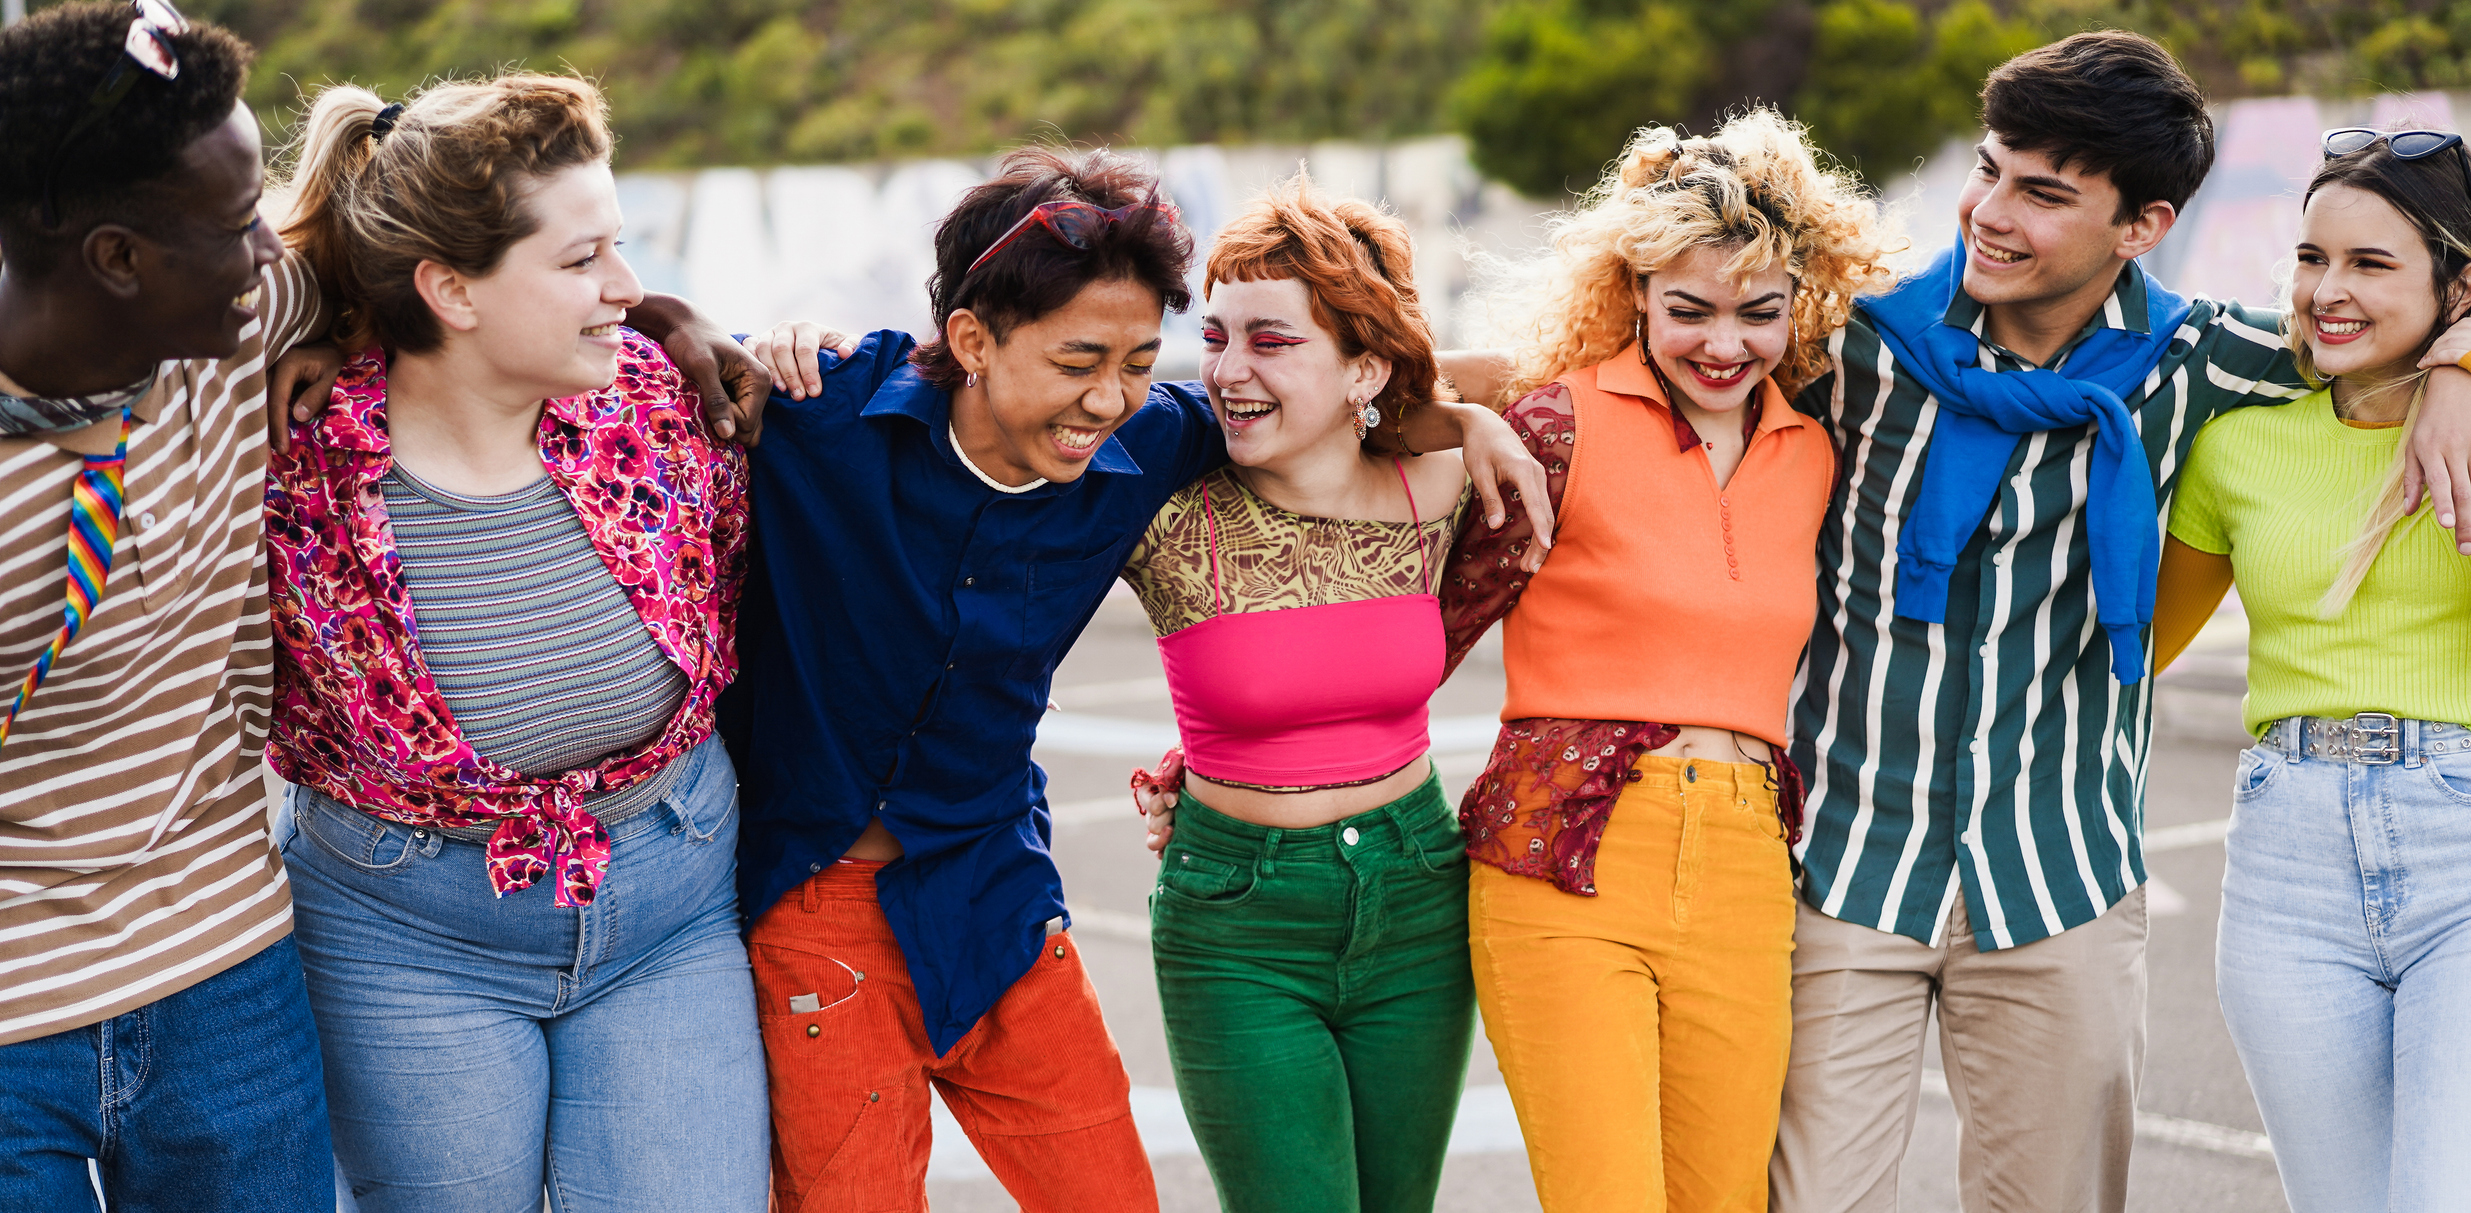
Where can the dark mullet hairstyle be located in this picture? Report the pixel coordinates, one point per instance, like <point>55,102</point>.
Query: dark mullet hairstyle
<point>1037,274</point>
<point>2110,102</point>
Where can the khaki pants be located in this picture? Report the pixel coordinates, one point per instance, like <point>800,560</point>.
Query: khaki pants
<point>2042,1046</point>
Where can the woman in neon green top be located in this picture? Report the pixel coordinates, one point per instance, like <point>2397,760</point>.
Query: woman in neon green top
<point>2344,962</point>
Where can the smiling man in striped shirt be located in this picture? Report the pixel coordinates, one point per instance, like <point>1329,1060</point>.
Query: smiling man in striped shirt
<point>1975,744</point>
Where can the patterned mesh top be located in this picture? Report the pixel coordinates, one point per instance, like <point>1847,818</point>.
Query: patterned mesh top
<point>1272,559</point>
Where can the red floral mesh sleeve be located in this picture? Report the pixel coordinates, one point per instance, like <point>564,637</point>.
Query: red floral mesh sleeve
<point>1483,580</point>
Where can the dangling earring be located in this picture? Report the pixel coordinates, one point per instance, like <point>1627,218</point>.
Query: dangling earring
<point>972,381</point>
<point>1356,409</point>
<point>1638,333</point>
<point>1369,417</point>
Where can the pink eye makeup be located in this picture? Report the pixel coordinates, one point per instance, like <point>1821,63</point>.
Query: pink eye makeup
<point>1273,341</point>
<point>1212,336</point>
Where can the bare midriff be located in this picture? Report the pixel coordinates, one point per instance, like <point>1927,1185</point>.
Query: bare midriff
<point>1714,745</point>
<point>877,845</point>
<point>1308,808</point>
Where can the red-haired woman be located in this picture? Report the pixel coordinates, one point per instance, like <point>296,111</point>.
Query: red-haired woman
<point>1310,921</point>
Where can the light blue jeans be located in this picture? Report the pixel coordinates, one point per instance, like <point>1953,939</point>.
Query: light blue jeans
<point>479,1049</point>
<point>2344,968</point>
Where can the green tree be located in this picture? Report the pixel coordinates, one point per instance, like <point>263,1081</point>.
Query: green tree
<point>1563,83</point>
<point>1886,84</point>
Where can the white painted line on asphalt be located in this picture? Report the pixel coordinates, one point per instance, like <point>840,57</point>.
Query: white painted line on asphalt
<point>2170,1130</point>
<point>1114,924</point>
<point>1486,1125</point>
<point>2193,834</point>
<point>1111,694</point>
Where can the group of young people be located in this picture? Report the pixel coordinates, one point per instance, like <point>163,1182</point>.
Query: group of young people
<point>1828,603</point>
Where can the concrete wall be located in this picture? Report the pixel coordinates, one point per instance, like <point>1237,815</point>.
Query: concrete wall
<point>849,245</point>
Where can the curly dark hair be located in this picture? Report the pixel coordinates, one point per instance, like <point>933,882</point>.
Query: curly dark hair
<point>1036,275</point>
<point>50,65</point>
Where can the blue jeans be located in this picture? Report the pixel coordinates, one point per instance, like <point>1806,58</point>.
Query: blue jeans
<point>2345,968</point>
<point>204,1100</point>
<point>480,1048</point>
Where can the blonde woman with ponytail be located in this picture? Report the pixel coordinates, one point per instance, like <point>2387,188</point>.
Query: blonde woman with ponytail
<point>1631,902</point>
<point>2346,897</point>
<point>504,563</point>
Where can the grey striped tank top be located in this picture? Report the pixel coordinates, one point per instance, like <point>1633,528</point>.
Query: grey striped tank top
<point>541,658</point>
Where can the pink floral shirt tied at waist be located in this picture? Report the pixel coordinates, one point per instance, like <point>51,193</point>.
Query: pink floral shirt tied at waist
<point>356,713</point>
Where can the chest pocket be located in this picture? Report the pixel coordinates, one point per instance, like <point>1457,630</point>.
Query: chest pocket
<point>1057,596</point>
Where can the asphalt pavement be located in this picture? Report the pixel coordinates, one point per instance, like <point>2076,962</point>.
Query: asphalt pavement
<point>2200,1146</point>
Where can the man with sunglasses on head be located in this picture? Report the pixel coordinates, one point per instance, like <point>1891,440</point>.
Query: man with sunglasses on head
<point>1973,711</point>
<point>152,1012</point>
<point>154,1024</point>
<point>935,523</point>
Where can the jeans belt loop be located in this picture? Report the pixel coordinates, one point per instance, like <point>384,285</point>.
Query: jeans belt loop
<point>2413,751</point>
<point>2376,739</point>
<point>2294,731</point>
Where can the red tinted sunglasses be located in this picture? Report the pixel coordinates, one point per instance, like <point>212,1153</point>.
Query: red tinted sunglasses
<point>1074,224</point>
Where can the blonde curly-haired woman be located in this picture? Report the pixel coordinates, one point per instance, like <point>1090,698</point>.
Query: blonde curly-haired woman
<point>1631,905</point>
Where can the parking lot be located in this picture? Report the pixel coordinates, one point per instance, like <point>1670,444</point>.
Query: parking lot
<point>2200,1148</point>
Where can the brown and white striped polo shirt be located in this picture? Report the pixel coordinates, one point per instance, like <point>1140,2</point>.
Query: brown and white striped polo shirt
<point>134,857</point>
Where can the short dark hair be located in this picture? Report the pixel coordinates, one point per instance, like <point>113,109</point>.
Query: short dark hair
<point>2108,101</point>
<point>50,65</point>
<point>1035,275</point>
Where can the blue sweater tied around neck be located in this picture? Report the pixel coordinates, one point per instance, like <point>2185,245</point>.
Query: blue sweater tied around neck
<point>1984,415</point>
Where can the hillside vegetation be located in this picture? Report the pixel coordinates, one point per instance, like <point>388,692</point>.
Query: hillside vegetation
<point>1545,89</point>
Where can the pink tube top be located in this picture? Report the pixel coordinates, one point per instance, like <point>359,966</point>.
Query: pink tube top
<point>1306,696</point>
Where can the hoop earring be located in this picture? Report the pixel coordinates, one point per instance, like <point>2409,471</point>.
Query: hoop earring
<point>1356,413</point>
<point>972,381</point>
<point>1638,333</point>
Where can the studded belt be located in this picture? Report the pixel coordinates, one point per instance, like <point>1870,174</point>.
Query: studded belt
<point>2370,738</point>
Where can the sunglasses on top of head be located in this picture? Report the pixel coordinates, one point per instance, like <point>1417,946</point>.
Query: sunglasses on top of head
<point>1074,224</point>
<point>152,26</point>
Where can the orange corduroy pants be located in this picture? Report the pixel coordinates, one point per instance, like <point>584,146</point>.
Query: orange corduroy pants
<point>1037,1085</point>
<point>1643,1032</point>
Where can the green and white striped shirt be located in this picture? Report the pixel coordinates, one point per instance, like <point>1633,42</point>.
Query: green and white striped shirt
<point>1993,753</point>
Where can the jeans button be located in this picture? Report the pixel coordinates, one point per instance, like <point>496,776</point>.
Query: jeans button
<point>1349,836</point>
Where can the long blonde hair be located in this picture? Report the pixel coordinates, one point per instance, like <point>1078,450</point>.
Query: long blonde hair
<point>448,182</point>
<point>1756,187</point>
<point>2427,192</point>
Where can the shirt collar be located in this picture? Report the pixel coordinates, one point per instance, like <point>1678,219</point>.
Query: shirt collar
<point>907,394</point>
<point>2123,308</point>
<point>1629,375</point>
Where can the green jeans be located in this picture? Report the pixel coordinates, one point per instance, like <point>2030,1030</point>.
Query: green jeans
<point>1319,1003</point>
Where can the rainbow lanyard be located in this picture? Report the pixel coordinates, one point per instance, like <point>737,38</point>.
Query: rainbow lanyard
<point>94,526</point>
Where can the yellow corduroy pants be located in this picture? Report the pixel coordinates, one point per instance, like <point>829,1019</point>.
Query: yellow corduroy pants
<point>1643,1032</point>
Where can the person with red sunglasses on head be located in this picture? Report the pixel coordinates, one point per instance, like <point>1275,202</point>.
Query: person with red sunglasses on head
<point>934,524</point>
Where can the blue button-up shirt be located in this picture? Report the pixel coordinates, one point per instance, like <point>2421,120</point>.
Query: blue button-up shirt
<point>900,626</point>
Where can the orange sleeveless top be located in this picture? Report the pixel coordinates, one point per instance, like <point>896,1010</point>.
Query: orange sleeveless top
<point>1666,598</point>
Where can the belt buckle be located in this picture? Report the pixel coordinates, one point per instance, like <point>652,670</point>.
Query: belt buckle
<point>2378,727</point>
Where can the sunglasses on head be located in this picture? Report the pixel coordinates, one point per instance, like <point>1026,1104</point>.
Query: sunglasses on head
<point>2407,145</point>
<point>152,27</point>
<point>1074,224</point>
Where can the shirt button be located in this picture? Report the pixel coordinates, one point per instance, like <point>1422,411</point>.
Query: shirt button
<point>145,521</point>
<point>814,1030</point>
<point>1999,558</point>
<point>969,581</point>
<point>1984,650</point>
<point>1970,838</point>
<point>1349,836</point>
<point>1974,745</point>
<point>815,867</point>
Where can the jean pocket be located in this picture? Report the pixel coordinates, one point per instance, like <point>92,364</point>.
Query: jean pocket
<point>705,798</point>
<point>366,843</point>
<point>2258,769</point>
<point>1189,876</point>
<point>2451,773</point>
